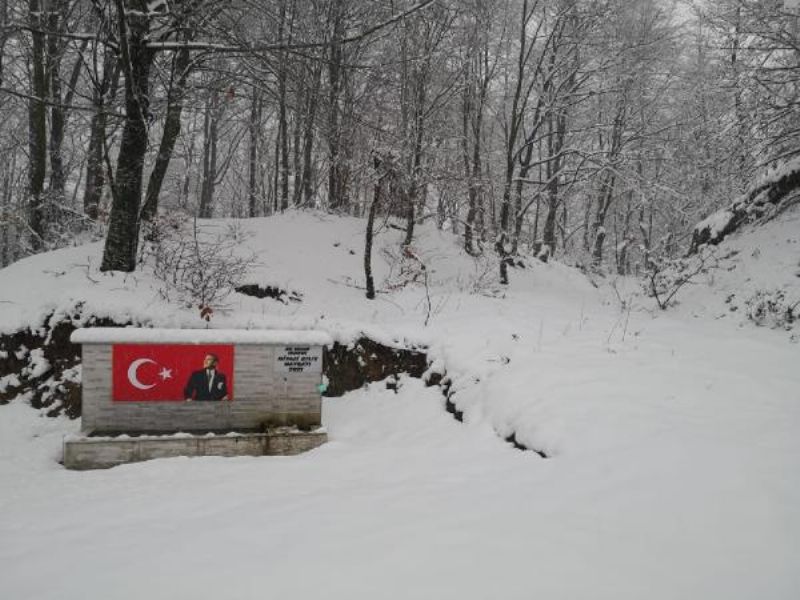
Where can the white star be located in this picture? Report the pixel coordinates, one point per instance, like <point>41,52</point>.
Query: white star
<point>165,374</point>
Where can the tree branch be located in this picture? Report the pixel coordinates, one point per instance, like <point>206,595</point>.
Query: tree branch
<point>283,46</point>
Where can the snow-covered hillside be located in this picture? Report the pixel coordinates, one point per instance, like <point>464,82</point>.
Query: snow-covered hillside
<point>755,273</point>
<point>674,459</point>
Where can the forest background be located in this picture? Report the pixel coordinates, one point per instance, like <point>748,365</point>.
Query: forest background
<point>599,131</point>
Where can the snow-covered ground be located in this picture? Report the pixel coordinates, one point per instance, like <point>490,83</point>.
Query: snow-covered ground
<point>674,467</point>
<point>758,265</point>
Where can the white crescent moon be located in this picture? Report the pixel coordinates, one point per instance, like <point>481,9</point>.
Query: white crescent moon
<point>132,373</point>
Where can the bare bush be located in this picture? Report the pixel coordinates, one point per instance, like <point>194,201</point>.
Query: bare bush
<point>195,268</point>
<point>771,308</point>
<point>666,277</point>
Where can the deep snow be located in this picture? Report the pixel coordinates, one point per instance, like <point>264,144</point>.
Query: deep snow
<point>674,469</point>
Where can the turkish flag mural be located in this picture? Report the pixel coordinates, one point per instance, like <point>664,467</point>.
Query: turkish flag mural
<point>171,372</point>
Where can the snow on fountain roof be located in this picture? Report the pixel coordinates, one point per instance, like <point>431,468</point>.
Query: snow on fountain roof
<point>137,335</point>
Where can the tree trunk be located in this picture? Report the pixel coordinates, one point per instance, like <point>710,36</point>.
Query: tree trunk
<point>37,129</point>
<point>188,162</point>
<point>284,148</point>
<point>587,222</point>
<point>283,138</point>
<point>172,129</point>
<point>557,124</point>
<point>308,137</point>
<point>3,36</point>
<point>742,145</point>
<point>252,162</point>
<point>104,93</point>
<point>336,193</point>
<point>9,245</point>
<point>297,184</point>
<point>477,77</point>
<point>57,177</point>
<point>466,118</point>
<point>416,165</point>
<point>373,208</point>
<point>519,212</point>
<point>549,231</point>
<point>501,244</point>
<point>94,166</point>
<point>598,227</point>
<point>206,208</point>
<point>646,233</point>
<point>608,180</point>
<point>123,230</point>
<point>276,171</point>
<point>623,246</point>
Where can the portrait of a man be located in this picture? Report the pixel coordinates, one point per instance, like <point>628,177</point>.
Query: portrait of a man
<point>208,383</point>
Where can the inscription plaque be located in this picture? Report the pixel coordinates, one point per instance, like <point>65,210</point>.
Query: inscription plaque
<point>298,359</point>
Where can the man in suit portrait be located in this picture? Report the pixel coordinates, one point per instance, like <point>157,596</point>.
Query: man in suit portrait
<point>208,383</point>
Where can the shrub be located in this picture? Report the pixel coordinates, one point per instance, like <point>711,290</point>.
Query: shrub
<point>771,308</point>
<point>195,268</point>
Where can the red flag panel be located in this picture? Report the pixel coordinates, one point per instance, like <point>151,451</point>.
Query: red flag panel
<point>171,372</point>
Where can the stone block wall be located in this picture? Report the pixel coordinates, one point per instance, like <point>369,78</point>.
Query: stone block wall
<point>262,396</point>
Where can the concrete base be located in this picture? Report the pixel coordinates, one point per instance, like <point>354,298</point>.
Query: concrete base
<point>104,452</point>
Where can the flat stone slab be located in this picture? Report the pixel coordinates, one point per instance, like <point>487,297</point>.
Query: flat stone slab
<point>86,453</point>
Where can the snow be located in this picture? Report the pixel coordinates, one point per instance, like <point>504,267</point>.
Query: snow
<point>715,223</point>
<point>674,467</point>
<point>176,435</point>
<point>778,172</point>
<point>131,335</point>
<point>38,365</point>
<point>760,260</point>
<point>7,381</point>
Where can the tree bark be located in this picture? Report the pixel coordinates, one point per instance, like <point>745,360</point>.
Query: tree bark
<point>284,30</point>
<point>206,208</point>
<point>467,102</point>
<point>297,169</point>
<point>123,230</point>
<point>57,177</point>
<point>103,94</point>
<point>308,137</point>
<point>252,161</point>
<point>94,166</point>
<point>337,199</point>
<point>189,162</point>
<point>172,129</point>
<point>477,76</point>
<point>373,208</point>
<point>37,129</point>
<point>283,168</point>
<point>598,227</point>
<point>608,180</point>
<point>3,36</point>
<point>416,164</point>
<point>557,124</point>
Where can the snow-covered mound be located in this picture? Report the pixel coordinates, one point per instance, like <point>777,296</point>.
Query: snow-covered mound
<point>674,467</point>
<point>313,257</point>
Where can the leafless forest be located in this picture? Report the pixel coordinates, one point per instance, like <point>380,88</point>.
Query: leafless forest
<point>597,130</point>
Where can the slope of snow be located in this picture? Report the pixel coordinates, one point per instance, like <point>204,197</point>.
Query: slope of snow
<point>760,260</point>
<point>674,469</point>
<point>318,256</point>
